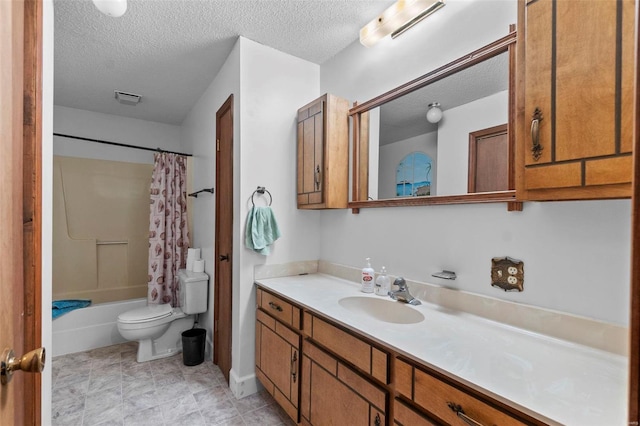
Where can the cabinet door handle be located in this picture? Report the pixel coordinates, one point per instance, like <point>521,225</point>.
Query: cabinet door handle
<point>316,177</point>
<point>294,366</point>
<point>275,306</point>
<point>536,148</point>
<point>456,408</point>
<point>377,421</point>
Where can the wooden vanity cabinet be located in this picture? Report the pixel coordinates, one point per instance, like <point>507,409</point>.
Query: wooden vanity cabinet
<point>323,154</point>
<point>575,102</point>
<point>323,373</point>
<point>278,350</point>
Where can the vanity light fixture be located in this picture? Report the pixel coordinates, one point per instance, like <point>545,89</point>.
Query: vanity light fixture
<point>127,98</point>
<point>397,19</point>
<point>434,113</point>
<point>113,8</point>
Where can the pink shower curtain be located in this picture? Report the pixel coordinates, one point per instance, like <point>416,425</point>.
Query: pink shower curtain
<point>168,232</point>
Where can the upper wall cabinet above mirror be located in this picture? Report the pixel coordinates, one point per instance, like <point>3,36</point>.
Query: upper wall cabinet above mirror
<point>442,138</point>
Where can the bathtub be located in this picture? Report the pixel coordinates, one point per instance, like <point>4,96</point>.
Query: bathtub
<point>91,327</point>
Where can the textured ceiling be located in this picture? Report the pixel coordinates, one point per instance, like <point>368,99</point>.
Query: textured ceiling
<point>170,51</point>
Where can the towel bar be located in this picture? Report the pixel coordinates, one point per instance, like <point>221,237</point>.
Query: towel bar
<point>261,190</point>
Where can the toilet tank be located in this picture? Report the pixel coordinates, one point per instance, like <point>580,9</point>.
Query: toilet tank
<point>193,291</point>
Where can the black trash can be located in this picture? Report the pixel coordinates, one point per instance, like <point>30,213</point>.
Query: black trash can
<point>193,346</point>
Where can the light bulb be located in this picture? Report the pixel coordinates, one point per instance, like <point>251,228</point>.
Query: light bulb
<point>113,8</point>
<point>434,114</point>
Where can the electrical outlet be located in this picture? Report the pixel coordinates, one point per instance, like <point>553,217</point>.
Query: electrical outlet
<point>507,273</point>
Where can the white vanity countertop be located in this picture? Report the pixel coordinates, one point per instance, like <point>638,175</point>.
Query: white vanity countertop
<point>568,383</point>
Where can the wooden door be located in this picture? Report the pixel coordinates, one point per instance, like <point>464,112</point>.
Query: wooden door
<point>576,131</point>
<point>489,160</point>
<point>20,211</point>
<point>223,281</point>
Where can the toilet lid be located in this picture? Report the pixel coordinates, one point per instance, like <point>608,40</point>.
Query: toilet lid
<point>146,313</point>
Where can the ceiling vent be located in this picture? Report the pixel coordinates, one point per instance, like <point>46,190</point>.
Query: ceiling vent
<point>127,98</point>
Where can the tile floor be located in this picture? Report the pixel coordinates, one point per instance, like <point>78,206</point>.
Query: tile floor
<point>106,386</point>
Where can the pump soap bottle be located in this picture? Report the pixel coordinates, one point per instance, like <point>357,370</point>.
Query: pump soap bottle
<point>383,284</point>
<point>367,277</point>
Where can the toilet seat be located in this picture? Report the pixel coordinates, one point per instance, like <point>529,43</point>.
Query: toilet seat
<point>145,314</point>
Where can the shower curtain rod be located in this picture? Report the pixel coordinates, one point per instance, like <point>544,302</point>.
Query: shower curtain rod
<point>121,144</point>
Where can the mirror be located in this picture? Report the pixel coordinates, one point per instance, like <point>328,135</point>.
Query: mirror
<point>401,158</point>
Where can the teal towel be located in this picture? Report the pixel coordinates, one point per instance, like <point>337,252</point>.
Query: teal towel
<point>262,229</point>
<point>60,307</point>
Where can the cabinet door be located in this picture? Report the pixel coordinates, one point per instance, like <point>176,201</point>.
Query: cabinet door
<point>277,362</point>
<point>311,154</point>
<point>333,394</point>
<point>578,99</point>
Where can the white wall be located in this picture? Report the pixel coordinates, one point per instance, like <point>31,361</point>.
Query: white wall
<point>268,87</point>
<point>198,135</point>
<point>453,138</point>
<point>112,128</point>
<point>391,155</point>
<point>576,254</point>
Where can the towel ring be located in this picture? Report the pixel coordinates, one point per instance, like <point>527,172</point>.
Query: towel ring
<point>261,190</point>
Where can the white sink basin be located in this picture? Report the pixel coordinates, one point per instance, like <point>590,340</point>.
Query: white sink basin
<point>382,309</point>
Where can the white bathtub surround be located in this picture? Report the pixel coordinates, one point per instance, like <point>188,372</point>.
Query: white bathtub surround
<point>560,381</point>
<point>585,331</point>
<point>91,327</point>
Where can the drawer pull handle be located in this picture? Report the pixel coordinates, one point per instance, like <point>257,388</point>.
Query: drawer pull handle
<point>377,421</point>
<point>294,366</point>
<point>536,148</point>
<point>316,177</point>
<point>456,408</point>
<point>275,306</point>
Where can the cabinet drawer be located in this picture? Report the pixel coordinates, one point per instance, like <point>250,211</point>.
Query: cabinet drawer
<point>278,308</point>
<point>356,351</point>
<point>451,405</point>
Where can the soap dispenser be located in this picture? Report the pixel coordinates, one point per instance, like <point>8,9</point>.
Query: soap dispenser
<point>383,284</point>
<point>367,277</point>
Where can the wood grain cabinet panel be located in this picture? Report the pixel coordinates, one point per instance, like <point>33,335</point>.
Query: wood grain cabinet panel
<point>337,395</point>
<point>576,121</point>
<point>278,359</point>
<point>445,402</point>
<point>354,350</point>
<point>322,152</point>
<point>404,415</point>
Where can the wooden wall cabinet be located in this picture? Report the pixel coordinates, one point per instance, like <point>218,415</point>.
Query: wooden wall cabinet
<point>323,154</point>
<point>575,114</point>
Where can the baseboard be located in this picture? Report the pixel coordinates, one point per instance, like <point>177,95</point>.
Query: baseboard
<point>243,386</point>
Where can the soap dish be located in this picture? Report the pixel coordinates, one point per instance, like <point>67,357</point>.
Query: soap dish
<point>446,275</point>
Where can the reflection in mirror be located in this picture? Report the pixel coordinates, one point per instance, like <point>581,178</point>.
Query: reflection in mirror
<point>399,154</point>
<point>471,100</point>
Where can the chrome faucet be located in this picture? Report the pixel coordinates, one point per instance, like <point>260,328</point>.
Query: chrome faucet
<point>402,294</point>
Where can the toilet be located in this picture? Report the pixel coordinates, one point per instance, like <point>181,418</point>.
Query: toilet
<point>158,328</point>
